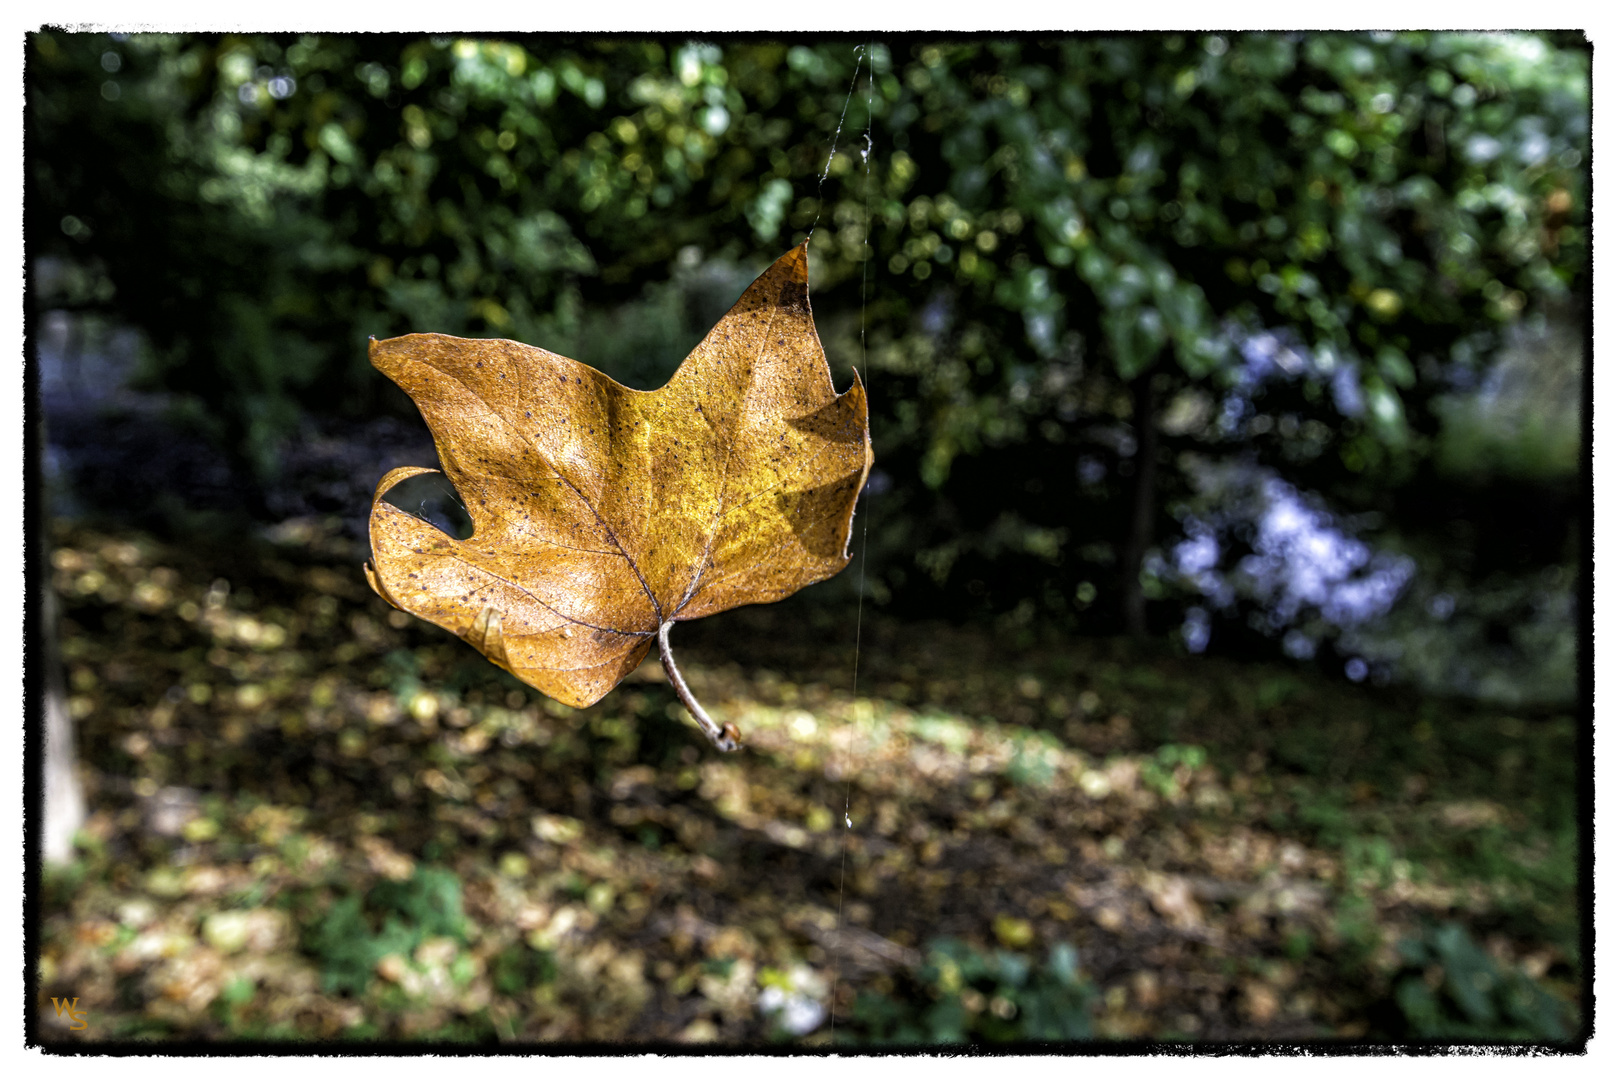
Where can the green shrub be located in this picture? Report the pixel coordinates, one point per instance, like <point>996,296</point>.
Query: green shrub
<point>519,967</point>
<point>1449,988</point>
<point>963,994</point>
<point>393,917</point>
<point>1161,771</point>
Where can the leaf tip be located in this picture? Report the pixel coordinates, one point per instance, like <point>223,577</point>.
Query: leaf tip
<point>798,263</point>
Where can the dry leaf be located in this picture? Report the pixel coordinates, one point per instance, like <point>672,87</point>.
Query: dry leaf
<point>603,515</point>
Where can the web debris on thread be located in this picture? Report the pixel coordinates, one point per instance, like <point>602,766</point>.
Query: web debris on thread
<point>860,54</point>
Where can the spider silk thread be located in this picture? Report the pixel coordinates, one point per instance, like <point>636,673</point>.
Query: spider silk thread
<point>860,594</point>
<point>862,53</point>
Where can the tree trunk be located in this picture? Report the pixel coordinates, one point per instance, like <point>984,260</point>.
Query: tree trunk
<point>64,805</point>
<point>64,794</point>
<point>1143,505</point>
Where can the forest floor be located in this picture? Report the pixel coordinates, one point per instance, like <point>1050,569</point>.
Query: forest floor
<point>315,818</point>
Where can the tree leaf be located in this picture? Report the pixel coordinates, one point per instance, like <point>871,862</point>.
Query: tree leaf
<point>603,515</point>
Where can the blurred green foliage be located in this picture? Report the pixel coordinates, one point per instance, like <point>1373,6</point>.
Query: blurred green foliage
<point>392,918</point>
<point>1160,772</point>
<point>1448,988</point>
<point>1034,225</point>
<point>1526,421</point>
<point>965,994</point>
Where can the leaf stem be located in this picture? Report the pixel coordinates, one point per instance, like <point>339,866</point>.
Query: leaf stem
<point>724,738</point>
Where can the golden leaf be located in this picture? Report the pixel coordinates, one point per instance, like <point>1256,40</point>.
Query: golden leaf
<point>604,515</point>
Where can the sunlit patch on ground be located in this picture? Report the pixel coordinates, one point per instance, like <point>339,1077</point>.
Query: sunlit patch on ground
<point>315,818</point>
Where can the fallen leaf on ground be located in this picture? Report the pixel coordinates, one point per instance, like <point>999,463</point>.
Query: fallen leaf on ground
<point>603,515</point>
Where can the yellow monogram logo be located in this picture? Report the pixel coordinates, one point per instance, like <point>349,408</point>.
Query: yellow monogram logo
<point>73,1013</point>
